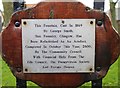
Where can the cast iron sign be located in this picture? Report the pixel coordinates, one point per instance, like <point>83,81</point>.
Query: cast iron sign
<point>65,43</point>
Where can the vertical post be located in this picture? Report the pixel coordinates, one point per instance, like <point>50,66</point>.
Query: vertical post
<point>19,5</point>
<point>98,4</point>
<point>21,83</point>
<point>97,83</point>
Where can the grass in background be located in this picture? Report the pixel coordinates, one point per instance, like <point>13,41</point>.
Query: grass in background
<point>8,79</point>
<point>111,79</point>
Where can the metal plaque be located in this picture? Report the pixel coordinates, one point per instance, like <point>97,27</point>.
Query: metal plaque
<point>58,45</point>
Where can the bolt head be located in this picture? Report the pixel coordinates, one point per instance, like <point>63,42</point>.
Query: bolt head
<point>98,68</point>
<point>99,22</point>
<point>17,24</point>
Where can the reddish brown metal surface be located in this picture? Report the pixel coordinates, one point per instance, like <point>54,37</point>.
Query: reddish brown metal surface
<point>107,43</point>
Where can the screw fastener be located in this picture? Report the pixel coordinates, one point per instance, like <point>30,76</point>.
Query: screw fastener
<point>25,23</point>
<point>91,69</point>
<point>91,22</point>
<point>26,69</point>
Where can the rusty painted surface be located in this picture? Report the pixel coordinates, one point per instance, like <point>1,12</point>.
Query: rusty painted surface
<point>107,42</point>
